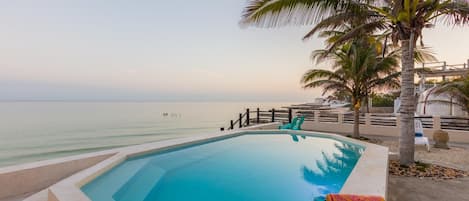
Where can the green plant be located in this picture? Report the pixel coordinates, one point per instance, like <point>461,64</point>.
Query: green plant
<point>357,70</point>
<point>382,100</point>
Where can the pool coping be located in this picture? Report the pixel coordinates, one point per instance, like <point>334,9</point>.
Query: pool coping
<point>368,177</point>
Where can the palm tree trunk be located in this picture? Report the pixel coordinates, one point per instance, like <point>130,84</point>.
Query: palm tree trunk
<point>407,108</point>
<point>356,123</point>
<point>356,119</point>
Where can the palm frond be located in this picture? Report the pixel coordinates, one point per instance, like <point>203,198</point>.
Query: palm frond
<point>274,13</point>
<point>453,12</point>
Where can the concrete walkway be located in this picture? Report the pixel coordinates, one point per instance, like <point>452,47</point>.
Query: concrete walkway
<point>415,189</point>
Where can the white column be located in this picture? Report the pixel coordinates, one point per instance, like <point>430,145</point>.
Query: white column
<point>437,122</point>
<point>340,118</point>
<point>368,119</point>
<point>316,116</point>
<point>398,120</point>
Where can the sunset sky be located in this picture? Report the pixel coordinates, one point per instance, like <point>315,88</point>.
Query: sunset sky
<point>160,50</point>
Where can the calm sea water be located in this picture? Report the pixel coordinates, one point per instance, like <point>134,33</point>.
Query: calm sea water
<point>32,131</point>
<point>248,167</point>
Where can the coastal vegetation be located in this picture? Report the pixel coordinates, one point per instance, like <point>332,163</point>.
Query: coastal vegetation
<point>356,71</point>
<point>382,100</point>
<point>403,21</point>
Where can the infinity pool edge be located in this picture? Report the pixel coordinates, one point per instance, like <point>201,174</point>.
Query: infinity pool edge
<point>368,177</point>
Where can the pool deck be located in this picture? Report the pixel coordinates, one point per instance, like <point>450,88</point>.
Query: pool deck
<point>369,177</point>
<point>416,189</point>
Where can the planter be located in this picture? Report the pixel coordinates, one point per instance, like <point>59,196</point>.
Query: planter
<point>441,139</point>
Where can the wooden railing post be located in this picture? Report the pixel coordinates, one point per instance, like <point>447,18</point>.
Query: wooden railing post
<point>258,115</point>
<point>247,117</point>
<point>231,125</point>
<point>444,68</point>
<point>240,120</point>
<point>289,115</point>
<point>273,114</point>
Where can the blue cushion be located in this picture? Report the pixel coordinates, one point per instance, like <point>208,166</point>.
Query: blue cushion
<point>418,134</point>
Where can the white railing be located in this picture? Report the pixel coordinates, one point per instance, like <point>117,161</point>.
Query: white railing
<point>386,119</point>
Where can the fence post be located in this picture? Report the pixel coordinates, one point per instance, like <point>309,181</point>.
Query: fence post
<point>444,69</point>
<point>273,114</point>
<point>398,120</point>
<point>247,117</point>
<point>368,119</point>
<point>317,113</point>
<point>436,122</point>
<point>258,115</point>
<point>289,115</point>
<point>231,125</point>
<point>240,120</point>
<point>340,118</point>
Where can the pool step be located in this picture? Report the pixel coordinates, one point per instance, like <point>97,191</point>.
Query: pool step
<point>101,190</point>
<point>141,184</point>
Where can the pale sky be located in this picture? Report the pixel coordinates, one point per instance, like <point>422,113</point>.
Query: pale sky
<point>160,50</point>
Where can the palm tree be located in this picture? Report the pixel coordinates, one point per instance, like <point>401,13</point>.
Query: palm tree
<point>357,70</point>
<point>407,19</point>
<point>404,19</point>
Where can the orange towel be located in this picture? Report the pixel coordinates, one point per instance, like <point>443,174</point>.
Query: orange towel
<point>341,197</point>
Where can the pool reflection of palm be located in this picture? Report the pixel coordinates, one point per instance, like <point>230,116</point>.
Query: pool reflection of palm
<point>333,170</point>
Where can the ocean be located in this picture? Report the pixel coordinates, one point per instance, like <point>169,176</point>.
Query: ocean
<point>33,131</point>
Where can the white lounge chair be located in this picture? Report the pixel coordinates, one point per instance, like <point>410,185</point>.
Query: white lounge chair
<point>420,138</point>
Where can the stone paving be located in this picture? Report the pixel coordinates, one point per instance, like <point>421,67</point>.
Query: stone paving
<point>416,189</point>
<point>426,189</point>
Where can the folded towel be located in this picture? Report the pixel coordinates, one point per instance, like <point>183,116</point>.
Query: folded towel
<point>342,197</point>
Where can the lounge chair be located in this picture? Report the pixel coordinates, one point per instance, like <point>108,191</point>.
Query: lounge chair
<point>420,139</point>
<point>289,125</point>
<point>343,197</point>
<point>297,126</point>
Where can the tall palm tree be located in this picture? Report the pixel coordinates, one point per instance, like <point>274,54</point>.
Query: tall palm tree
<point>405,19</point>
<point>357,70</point>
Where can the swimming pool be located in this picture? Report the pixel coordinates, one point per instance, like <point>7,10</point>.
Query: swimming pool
<point>274,167</point>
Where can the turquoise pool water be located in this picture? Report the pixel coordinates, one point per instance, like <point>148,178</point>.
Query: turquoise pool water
<point>273,167</point>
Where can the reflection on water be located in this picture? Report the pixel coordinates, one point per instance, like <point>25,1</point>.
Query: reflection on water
<point>295,137</point>
<point>333,167</point>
